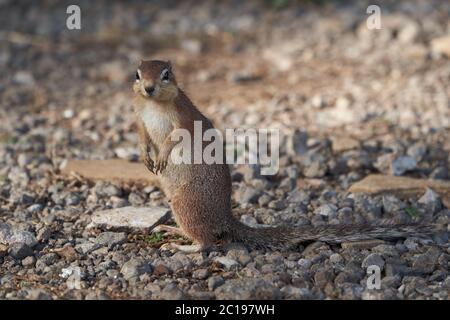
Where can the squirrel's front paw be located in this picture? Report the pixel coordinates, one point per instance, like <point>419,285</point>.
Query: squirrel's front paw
<point>161,164</point>
<point>149,164</point>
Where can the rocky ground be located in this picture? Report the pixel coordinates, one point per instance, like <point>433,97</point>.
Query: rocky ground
<point>348,101</point>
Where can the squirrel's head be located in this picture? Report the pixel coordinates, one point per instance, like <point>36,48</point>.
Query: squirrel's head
<point>155,80</point>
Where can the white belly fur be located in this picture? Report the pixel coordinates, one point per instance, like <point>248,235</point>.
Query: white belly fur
<point>157,124</point>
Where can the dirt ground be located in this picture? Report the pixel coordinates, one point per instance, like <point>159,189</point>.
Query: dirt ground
<point>349,102</point>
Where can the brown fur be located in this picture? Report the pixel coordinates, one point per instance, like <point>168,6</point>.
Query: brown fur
<point>200,194</point>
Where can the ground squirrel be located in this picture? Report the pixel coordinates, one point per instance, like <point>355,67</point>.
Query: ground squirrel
<point>200,194</point>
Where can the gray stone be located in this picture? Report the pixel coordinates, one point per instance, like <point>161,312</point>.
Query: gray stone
<point>426,263</point>
<point>107,189</point>
<point>297,143</point>
<point>72,199</point>
<point>411,244</point>
<point>249,195</point>
<point>298,196</point>
<point>127,218</point>
<point>134,268</point>
<point>439,173</point>
<point>417,151</point>
<point>110,239</point>
<point>239,254</point>
<point>328,210</point>
<point>129,153</point>
<point>277,205</point>
<point>172,292</point>
<point>373,259</point>
<point>392,204</point>
<point>24,78</point>
<point>74,281</point>
<point>9,235</point>
<point>322,277</point>
<point>396,268</point>
<point>304,263</point>
<point>200,274</point>
<point>316,169</point>
<point>87,247</point>
<point>215,282</point>
<point>403,164</point>
<point>264,200</point>
<point>249,220</point>
<point>136,199</point>
<point>345,215</point>
<point>49,258</point>
<point>391,281</point>
<point>20,250</point>
<point>228,263</point>
<point>336,258</point>
<point>431,200</point>
<point>44,234</point>
<point>35,208</point>
<point>28,261</point>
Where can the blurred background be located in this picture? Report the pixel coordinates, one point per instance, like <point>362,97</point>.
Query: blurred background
<point>312,65</point>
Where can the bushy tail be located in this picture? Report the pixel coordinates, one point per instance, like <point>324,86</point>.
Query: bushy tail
<point>284,236</point>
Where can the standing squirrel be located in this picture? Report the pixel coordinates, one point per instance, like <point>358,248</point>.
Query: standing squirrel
<point>200,194</point>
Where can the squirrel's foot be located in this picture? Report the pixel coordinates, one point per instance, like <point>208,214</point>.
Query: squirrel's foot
<point>194,248</point>
<point>168,229</point>
<point>149,163</point>
<point>161,164</point>
<point>163,156</point>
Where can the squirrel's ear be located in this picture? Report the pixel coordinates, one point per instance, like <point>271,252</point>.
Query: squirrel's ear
<point>169,65</point>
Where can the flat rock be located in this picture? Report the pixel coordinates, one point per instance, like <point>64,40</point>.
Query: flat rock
<point>109,170</point>
<point>341,144</point>
<point>366,244</point>
<point>401,187</point>
<point>127,218</point>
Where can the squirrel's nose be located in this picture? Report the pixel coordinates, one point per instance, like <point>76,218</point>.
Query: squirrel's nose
<point>150,90</point>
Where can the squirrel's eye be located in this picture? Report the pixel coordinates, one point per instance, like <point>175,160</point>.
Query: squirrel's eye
<point>137,76</point>
<point>165,76</point>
